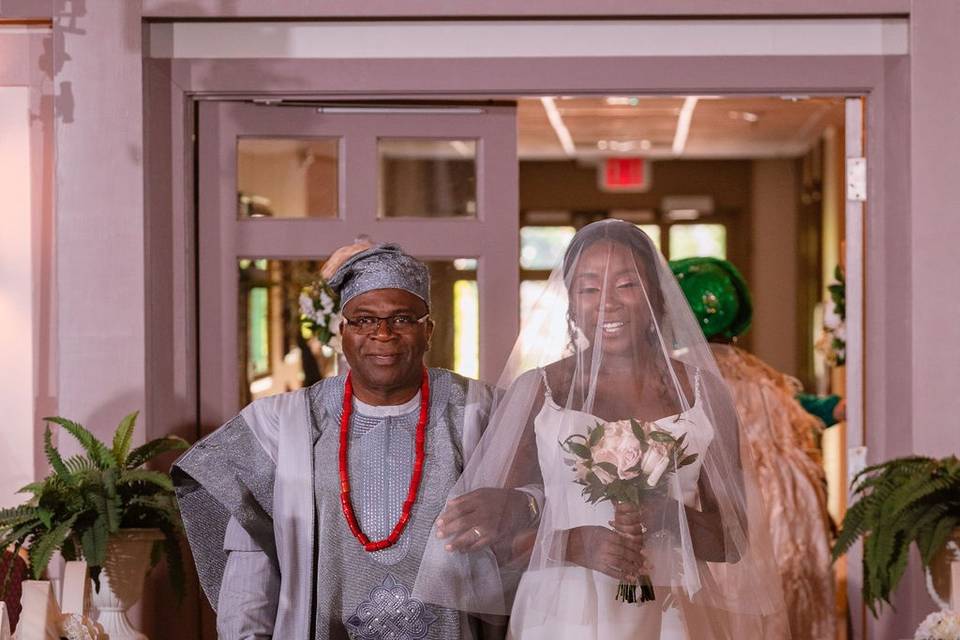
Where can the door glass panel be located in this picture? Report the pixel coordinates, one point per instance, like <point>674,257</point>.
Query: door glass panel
<point>698,240</point>
<point>276,355</point>
<point>538,314</point>
<point>427,178</point>
<point>288,178</point>
<point>542,247</point>
<point>652,230</point>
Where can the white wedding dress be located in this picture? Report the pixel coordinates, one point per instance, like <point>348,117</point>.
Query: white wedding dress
<point>570,602</point>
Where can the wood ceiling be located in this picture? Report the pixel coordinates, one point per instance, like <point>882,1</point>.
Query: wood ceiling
<point>720,127</point>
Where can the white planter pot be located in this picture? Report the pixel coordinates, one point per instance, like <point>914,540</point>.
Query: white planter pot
<point>121,580</point>
<point>939,575</point>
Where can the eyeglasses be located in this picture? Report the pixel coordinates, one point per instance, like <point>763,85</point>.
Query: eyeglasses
<point>400,323</point>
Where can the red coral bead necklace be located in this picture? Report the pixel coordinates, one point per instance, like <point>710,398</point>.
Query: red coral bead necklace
<point>415,477</point>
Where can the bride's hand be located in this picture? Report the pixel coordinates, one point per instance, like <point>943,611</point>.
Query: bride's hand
<point>633,521</point>
<point>481,517</point>
<point>606,551</point>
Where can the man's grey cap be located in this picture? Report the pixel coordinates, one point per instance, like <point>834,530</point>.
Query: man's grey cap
<point>384,266</point>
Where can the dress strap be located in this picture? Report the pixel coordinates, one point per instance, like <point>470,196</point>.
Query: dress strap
<point>546,385</point>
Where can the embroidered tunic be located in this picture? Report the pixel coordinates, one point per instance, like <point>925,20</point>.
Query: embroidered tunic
<point>260,499</point>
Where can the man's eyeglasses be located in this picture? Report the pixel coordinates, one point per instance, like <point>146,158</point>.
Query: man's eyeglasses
<point>400,323</point>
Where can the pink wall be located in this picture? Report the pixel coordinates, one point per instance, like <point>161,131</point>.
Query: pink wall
<point>912,302</point>
<point>99,213</point>
<point>28,391</point>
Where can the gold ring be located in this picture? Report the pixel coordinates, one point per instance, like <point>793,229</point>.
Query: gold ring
<point>477,532</point>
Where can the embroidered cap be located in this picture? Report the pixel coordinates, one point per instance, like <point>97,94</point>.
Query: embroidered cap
<point>384,266</point>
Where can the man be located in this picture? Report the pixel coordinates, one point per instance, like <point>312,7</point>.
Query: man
<point>308,512</point>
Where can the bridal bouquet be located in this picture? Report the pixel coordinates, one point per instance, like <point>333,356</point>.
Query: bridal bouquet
<point>626,461</point>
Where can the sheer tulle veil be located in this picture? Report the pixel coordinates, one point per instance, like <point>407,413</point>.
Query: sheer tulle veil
<point>611,338</point>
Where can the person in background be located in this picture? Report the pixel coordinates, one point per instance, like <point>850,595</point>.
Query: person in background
<point>783,438</point>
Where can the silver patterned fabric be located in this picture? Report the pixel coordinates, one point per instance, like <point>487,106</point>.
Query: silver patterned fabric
<point>364,595</point>
<point>384,266</point>
<point>234,484</point>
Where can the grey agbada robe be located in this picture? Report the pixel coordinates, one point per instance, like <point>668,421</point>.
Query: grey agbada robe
<point>267,482</point>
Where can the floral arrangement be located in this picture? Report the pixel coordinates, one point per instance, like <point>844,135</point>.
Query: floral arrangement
<point>833,342</point>
<point>320,313</point>
<point>626,461</point>
<point>939,625</point>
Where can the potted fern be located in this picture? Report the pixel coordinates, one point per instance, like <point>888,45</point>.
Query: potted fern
<point>899,503</point>
<point>101,505</point>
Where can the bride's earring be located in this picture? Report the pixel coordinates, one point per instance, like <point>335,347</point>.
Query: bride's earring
<point>578,341</point>
<point>652,338</point>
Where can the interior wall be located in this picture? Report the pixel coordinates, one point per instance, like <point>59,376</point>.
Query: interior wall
<point>27,297</point>
<point>773,274</point>
<point>16,294</point>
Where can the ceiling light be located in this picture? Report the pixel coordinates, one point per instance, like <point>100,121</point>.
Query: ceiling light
<point>621,101</point>
<point>556,121</point>
<point>622,145</point>
<point>683,214</point>
<point>747,116</point>
<point>683,124</point>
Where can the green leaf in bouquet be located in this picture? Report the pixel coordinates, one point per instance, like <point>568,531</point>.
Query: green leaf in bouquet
<point>595,435</point>
<point>578,449</point>
<point>662,437</point>
<point>681,440</point>
<point>639,434</point>
<point>609,467</point>
<point>687,460</point>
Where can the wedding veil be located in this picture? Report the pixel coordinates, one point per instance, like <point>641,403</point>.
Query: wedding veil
<point>611,338</point>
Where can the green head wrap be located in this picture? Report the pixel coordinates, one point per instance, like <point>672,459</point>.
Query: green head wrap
<point>717,293</point>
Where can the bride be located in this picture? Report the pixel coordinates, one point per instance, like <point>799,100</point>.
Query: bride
<point>611,339</point>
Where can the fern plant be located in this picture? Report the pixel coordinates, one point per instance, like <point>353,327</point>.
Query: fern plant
<point>899,503</point>
<point>88,497</point>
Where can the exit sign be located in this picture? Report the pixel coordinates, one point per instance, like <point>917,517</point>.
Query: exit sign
<point>624,174</point>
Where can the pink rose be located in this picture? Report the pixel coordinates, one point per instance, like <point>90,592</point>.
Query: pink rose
<point>604,454</point>
<point>620,448</point>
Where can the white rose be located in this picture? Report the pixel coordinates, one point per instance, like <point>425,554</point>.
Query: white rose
<point>655,462</point>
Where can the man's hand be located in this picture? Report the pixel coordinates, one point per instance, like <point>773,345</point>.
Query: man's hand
<point>481,518</point>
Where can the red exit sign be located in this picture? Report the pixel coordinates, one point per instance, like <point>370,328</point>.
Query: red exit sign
<point>624,174</point>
